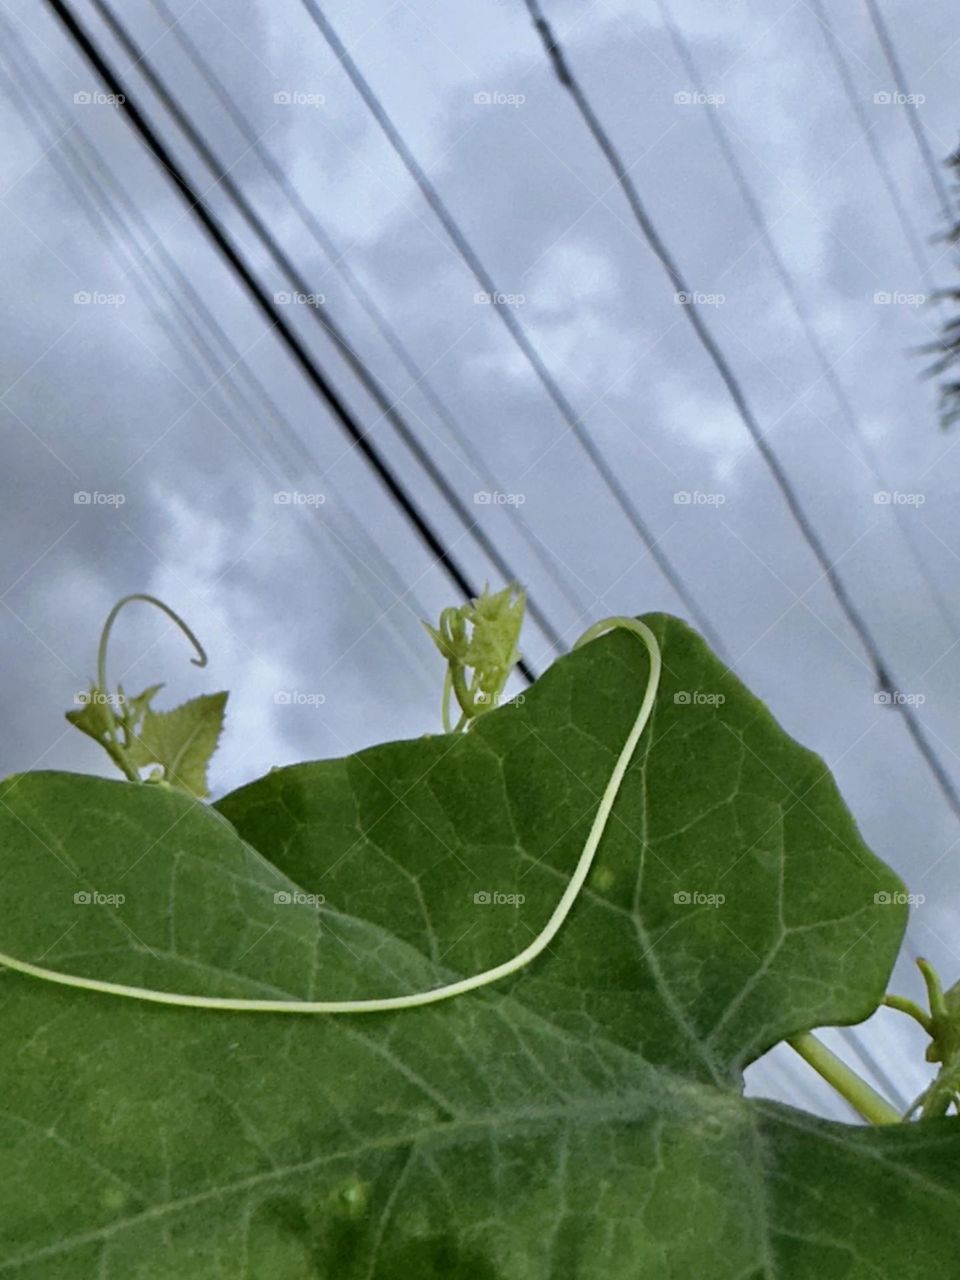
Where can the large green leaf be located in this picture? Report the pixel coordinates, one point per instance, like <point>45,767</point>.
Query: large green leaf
<point>583,1119</point>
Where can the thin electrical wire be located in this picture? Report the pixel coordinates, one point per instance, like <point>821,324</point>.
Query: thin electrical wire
<point>473,261</point>
<point>801,310</point>
<point>910,233</point>
<point>371,384</point>
<point>104,200</point>
<point>343,415</point>
<point>914,118</point>
<point>856,620</point>
<point>339,262</point>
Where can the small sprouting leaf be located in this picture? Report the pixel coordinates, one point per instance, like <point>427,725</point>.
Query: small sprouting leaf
<point>94,716</point>
<point>582,1119</point>
<point>137,706</point>
<point>181,741</point>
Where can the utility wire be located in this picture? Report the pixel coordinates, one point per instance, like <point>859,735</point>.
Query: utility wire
<point>388,407</point>
<point>913,117</point>
<point>910,232</point>
<point>105,201</point>
<point>802,312</point>
<point>881,673</point>
<point>264,302</point>
<point>367,302</point>
<point>515,329</point>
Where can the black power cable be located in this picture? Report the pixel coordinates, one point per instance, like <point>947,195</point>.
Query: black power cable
<point>371,384</point>
<point>266,305</point>
<point>115,215</point>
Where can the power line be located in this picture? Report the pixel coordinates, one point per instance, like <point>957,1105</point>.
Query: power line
<point>356,286</point>
<point>388,407</point>
<point>850,90</point>
<point>913,117</point>
<point>265,304</point>
<point>515,329</point>
<point>93,187</point>
<point>602,138</point>
<point>792,291</point>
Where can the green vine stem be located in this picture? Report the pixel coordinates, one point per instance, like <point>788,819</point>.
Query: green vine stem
<point>862,1097</point>
<point>634,627</point>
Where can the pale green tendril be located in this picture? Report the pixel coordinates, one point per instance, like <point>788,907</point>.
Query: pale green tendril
<point>115,720</point>
<point>519,961</point>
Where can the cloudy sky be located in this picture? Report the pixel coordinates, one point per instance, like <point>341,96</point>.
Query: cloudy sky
<point>784,168</point>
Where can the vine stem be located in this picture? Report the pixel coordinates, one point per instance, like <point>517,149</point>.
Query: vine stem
<point>853,1088</point>
<point>381,1004</point>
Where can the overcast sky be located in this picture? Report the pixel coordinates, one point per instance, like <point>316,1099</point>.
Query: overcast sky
<point>140,399</point>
